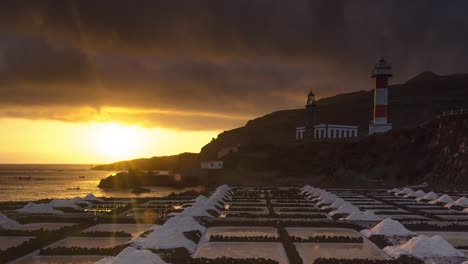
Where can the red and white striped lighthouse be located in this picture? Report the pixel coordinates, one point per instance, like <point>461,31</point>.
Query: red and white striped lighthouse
<point>381,71</point>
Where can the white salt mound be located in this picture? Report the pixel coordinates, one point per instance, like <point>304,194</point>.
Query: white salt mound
<point>329,199</point>
<point>307,190</point>
<point>463,201</point>
<point>64,203</point>
<point>132,255</point>
<point>318,192</point>
<point>324,195</point>
<point>202,204</point>
<point>363,216</point>
<point>346,208</point>
<point>394,190</point>
<point>429,196</point>
<point>416,194</point>
<point>184,224</point>
<point>387,227</point>
<point>405,191</point>
<point>165,238</point>
<point>171,235</point>
<point>7,223</point>
<point>193,211</point>
<point>337,203</point>
<point>443,199</point>
<point>424,247</point>
<point>91,197</point>
<point>201,199</point>
<point>79,200</point>
<point>33,208</point>
<point>222,192</point>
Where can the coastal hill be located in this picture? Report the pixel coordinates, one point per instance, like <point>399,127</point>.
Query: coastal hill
<point>421,147</point>
<point>410,104</point>
<point>435,152</point>
<point>178,162</point>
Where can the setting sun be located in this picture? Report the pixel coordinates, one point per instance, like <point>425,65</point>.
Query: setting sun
<point>118,141</point>
<point>92,142</point>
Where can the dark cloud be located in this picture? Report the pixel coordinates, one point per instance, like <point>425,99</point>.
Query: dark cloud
<point>236,58</point>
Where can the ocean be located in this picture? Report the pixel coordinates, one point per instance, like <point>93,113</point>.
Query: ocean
<point>21,182</point>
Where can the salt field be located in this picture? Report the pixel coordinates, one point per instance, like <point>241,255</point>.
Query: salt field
<point>60,260</point>
<point>267,250</point>
<point>311,232</point>
<point>455,238</point>
<point>284,231</point>
<point>133,229</point>
<point>243,231</point>
<point>91,242</point>
<point>12,241</point>
<point>311,251</point>
<point>45,226</point>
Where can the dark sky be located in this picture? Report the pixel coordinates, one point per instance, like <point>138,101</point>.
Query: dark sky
<point>212,64</point>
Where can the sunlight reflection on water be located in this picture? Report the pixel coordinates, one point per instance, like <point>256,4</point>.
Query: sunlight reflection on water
<point>34,182</point>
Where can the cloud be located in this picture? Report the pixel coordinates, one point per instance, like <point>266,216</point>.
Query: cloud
<point>144,117</point>
<point>235,58</point>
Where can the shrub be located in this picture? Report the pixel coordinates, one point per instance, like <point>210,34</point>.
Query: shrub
<point>328,239</point>
<point>221,238</point>
<point>114,251</point>
<point>194,235</point>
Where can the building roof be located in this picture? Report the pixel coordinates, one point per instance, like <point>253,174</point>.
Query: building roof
<point>382,63</point>
<point>335,126</point>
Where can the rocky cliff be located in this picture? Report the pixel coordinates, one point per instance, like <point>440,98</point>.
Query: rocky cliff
<point>435,152</point>
<point>448,148</point>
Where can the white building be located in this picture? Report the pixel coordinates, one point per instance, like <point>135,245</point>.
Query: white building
<point>212,165</point>
<point>227,150</point>
<point>329,131</point>
<point>322,131</point>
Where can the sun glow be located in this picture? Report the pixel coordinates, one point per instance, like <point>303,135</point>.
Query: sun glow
<point>118,141</point>
<point>39,141</point>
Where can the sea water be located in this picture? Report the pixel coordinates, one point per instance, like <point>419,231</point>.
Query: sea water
<point>35,182</point>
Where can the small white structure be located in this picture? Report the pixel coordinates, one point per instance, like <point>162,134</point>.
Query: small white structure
<point>227,150</point>
<point>330,131</point>
<point>300,133</point>
<point>212,165</point>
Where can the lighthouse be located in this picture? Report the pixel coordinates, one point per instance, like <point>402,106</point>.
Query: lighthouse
<point>313,131</point>
<point>381,72</point>
<point>309,117</point>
